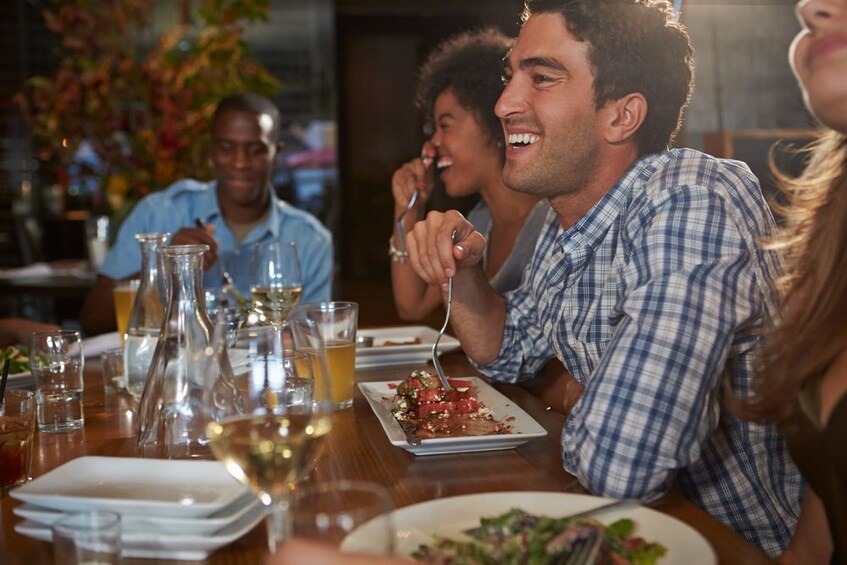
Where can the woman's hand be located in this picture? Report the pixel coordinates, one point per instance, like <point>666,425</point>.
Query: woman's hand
<point>417,174</point>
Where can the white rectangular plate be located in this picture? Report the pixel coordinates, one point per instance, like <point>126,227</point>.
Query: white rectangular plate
<point>449,517</point>
<point>524,428</point>
<point>381,355</point>
<point>129,485</point>
<point>156,545</point>
<point>138,523</point>
<point>20,380</point>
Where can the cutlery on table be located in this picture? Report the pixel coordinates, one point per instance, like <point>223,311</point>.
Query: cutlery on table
<point>584,549</point>
<point>411,432</point>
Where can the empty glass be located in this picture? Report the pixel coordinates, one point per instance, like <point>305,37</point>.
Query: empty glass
<point>56,362</point>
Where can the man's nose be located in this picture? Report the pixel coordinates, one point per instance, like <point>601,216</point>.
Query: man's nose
<point>240,157</point>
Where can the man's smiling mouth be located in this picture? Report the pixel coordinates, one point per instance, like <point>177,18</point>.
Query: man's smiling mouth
<point>522,139</point>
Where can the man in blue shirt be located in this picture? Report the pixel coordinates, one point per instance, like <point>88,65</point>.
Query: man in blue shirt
<point>648,281</point>
<point>230,214</point>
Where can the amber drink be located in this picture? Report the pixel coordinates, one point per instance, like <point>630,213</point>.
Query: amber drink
<point>17,427</point>
<point>124,295</point>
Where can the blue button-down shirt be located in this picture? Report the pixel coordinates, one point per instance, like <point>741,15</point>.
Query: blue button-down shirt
<point>188,200</point>
<point>654,300</point>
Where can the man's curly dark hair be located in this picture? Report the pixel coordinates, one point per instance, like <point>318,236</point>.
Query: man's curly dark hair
<point>471,63</point>
<point>634,46</point>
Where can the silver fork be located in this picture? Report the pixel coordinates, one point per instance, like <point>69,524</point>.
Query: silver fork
<point>401,232</point>
<point>435,360</point>
<point>584,550</point>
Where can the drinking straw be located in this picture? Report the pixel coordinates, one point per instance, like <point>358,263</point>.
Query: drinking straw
<point>3,380</point>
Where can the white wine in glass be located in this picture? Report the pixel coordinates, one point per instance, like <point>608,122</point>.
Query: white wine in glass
<point>276,280</point>
<point>276,437</point>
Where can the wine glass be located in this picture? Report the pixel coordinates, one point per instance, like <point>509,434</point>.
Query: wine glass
<point>276,280</point>
<point>275,436</point>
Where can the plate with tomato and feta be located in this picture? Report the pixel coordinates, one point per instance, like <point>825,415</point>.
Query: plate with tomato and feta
<point>472,416</point>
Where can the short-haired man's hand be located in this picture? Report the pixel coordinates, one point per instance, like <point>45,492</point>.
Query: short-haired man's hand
<point>443,244</point>
<point>199,235</point>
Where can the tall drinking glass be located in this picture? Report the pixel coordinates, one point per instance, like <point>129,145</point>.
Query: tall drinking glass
<point>337,323</point>
<point>276,280</point>
<point>276,436</point>
<point>124,295</point>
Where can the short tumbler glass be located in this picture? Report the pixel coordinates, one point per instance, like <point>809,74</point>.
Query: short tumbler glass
<point>17,428</point>
<point>56,361</point>
<point>89,537</point>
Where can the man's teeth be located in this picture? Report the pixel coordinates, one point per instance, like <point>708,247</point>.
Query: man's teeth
<point>444,162</point>
<point>522,138</point>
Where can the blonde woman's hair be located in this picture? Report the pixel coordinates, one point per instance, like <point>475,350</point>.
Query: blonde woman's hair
<point>811,330</point>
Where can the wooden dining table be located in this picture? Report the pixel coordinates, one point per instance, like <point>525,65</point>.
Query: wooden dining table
<point>357,448</point>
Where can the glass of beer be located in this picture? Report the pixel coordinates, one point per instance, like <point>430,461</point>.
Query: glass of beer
<point>337,322</point>
<point>124,295</point>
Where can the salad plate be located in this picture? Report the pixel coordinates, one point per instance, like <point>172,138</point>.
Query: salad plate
<point>19,375</point>
<point>523,427</point>
<point>416,524</point>
<point>401,345</point>
<point>156,545</point>
<point>152,523</point>
<point>127,485</point>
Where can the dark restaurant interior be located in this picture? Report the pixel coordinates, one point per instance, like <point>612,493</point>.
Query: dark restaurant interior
<point>346,72</point>
<point>643,363</point>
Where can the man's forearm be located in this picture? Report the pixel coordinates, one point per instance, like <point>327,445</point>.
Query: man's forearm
<point>479,315</point>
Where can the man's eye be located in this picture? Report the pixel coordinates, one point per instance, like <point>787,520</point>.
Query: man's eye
<point>505,79</point>
<point>540,79</point>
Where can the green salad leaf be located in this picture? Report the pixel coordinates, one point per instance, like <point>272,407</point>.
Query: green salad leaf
<point>519,538</point>
<point>18,358</point>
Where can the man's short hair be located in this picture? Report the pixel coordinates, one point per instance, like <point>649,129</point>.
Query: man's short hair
<point>634,46</point>
<point>250,103</point>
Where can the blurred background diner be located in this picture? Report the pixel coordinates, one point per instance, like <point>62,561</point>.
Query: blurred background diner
<point>103,104</point>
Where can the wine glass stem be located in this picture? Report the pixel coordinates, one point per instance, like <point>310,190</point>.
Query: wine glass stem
<point>279,524</point>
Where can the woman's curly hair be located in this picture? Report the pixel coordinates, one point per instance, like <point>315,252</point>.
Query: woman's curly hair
<point>471,64</point>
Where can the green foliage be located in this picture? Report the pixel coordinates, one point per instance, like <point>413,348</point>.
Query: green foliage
<point>146,115</point>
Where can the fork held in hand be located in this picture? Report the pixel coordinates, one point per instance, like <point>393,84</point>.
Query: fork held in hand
<point>401,229</point>
<point>444,382</point>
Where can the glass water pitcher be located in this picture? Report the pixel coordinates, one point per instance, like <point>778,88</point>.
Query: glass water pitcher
<point>189,368</point>
<point>145,318</point>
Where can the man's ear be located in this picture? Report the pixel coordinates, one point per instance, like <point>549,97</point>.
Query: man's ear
<point>623,117</point>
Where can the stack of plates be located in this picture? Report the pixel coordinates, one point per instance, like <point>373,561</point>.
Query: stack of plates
<point>169,509</point>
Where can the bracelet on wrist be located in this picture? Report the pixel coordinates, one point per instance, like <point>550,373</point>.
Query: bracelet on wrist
<point>395,254</point>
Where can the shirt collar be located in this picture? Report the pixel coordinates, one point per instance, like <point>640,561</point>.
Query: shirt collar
<point>209,210</point>
<point>591,229</point>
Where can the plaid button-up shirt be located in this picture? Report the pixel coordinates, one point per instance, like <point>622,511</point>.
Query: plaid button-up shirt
<point>653,300</point>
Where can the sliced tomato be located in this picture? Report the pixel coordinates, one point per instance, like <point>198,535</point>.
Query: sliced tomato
<point>430,395</point>
<point>433,408</point>
<point>459,383</point>
<point>465,406</point>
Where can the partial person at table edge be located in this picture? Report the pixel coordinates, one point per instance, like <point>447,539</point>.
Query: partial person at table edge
<point>648,283</point>
<point>229,214</point>
<point>457,87</point>
<point>16,331</point>
<point>803,381</point>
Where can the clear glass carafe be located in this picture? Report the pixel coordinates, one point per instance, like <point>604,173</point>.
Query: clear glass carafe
<point>145,318</point>
<point>189,367</point>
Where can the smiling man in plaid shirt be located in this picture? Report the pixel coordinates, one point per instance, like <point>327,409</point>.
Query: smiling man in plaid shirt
<point>648,280</point>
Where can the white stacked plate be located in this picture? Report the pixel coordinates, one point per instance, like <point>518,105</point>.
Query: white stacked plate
<point>169,509</point>
<point>401,345</point>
